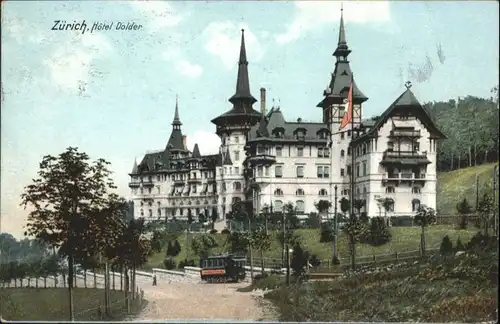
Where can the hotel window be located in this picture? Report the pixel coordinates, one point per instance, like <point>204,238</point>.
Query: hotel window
<point>357,170</point>
<point>266,171</point>
<point>142,213</point>
<point>348,170</point>
<point>323,192</point>
<point>300,151</point>
<point>299,192</point>
<point>150,212</point>
<point>342,135</point>
<point>278,206</point>
<point>259,171</point>
<point>278,171</point>
<point>342,172</point>
<point>279,150</point>
<point>237,170</point>
<point>364,168</point>
<point>390,190</point>
<point>260,149</point>
<point>348,151</point>
<point>300,171</point>
<point>364,149</point>
<point>299,206</point>
<point>323,171</point>
<point>236,156</point>
<point>342,153</point>
<point>415,204</point>
<point>416,190</point>
<point>159,212</point>
<point>237,186</point>
<point>158,178</point>
<point>149,190</point>
<point>326,152</point>
<point>278,192</point>
<point>236,139</point>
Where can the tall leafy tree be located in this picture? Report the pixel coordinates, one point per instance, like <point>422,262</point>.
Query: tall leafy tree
<point>62,200</point>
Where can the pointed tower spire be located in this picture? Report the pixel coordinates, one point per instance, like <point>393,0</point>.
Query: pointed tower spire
<point>342,48</point>
<point>177,120</point>
<point>242,94</point>
<point>196,151</point>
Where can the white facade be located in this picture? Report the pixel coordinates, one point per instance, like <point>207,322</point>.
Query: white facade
<point>297,162</point>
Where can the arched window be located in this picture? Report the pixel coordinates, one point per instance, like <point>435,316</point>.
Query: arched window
<point>342,153</point>
<point>415,204</point>
<point>237,186</point>
<point>364,191</point>
<point>278,192</point>
<point>142,203</point>
<point>299,192</point>
<point>278,206</point>
<point>416,190</point>
<point>299,206</point>
<point>142,213</point>
<point>390,190</point>
<point>323,192</point>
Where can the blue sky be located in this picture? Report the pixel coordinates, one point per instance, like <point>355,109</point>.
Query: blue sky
<point>112,93</point>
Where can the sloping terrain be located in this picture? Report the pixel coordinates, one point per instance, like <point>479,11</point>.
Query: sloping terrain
<point>456,185</point>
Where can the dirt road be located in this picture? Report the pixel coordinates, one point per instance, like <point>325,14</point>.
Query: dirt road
<point>182,301</point>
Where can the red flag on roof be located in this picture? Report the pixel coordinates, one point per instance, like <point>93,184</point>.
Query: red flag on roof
<point>348,115</point>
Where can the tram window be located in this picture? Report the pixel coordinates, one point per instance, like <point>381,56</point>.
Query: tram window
<point>211,263</point>
<point>205,263</point>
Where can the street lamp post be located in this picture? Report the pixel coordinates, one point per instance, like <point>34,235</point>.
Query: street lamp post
<point>335,224</point>
<point>288,251</point>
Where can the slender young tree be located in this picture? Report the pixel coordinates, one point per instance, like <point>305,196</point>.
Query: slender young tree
<point>425,216</point>
<point>61,199</point>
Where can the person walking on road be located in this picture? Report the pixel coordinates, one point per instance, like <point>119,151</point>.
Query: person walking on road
<point>154,280</point>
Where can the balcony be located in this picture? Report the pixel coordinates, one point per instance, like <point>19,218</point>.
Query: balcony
<point>405,158</point>
<point>261,159</point>
<point>134,184</point>
<point>405,133</point>
<point>194,180</point>
<point>147,183</point>
<point>403,176</point>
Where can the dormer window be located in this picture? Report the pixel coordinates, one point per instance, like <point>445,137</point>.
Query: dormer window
<point>300,134</point>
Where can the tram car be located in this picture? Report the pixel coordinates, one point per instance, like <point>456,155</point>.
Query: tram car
<point>223,268</point>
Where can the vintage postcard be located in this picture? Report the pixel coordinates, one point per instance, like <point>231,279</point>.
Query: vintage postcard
<point>230,161</point>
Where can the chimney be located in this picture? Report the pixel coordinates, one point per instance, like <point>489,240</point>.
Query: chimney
<point>263,101</point>
<point>184,138</point>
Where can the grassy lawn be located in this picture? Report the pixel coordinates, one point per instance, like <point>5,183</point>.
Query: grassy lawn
<point>403,239</point>
<point>51,304</point>
<point>456,185</point>
<point>457,290</point>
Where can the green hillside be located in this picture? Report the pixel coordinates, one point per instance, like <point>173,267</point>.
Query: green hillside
<point>455,185</point>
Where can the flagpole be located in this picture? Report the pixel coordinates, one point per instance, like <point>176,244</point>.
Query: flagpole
<point>353,152</point>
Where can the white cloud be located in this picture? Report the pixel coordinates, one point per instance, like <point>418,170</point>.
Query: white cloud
<point>160,14</point>
<point>172,53</point>
<point>188,69</point>
<point>223,39</point>
<point>310,15</point>
<point>70,64</point>
<point>208,142</point>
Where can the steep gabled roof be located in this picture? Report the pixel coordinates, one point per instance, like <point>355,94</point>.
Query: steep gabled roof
<point>406,100</point>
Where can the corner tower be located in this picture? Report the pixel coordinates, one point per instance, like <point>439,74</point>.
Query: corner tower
<point>333,105</point>
<point>232,127</point>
